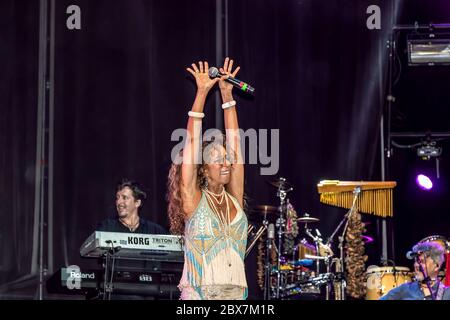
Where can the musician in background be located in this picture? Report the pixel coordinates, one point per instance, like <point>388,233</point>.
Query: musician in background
<point>129,200</point>
<point>429,259</point>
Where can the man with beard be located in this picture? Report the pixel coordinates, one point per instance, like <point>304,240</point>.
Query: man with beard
<point>129,199</point>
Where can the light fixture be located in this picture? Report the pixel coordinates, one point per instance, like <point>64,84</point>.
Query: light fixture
<point>429,49</point>
<point>424,182</point>
<point>429,150</point>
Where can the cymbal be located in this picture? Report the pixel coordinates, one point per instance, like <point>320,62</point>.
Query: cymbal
<point>307,219</point>
<point>263,209</point>
<point>281,183</point>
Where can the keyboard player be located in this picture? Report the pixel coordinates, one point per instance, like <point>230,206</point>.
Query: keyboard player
<point>129,200</point>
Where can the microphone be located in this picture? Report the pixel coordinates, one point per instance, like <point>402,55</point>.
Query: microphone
<point>412,255</point>
<point>213,72</point>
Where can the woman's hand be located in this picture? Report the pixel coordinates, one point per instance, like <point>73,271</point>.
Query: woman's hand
<point>227,70</point>
<point>202,79</point>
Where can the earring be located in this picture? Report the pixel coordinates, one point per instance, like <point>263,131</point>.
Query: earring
<point>206,182</point>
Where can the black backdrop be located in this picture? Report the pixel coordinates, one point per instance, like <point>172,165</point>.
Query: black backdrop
<point>121,89</point>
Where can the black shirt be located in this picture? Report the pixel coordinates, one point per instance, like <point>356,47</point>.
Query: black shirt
<point>145,226</point>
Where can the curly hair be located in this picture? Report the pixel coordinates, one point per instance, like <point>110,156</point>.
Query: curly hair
<point>173,196</point>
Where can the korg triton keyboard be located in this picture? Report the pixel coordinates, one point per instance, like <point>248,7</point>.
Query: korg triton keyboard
<point>155,247</point>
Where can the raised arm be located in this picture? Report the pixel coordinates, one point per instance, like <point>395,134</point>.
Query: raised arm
<point>236,185</point>
<point>192,147</point>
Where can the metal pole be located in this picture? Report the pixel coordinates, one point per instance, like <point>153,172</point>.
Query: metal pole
<point>39,132</point>
<point>38,231</point>
<point>51,132</point>
<point>384,257</point>
<point>387,153</point>
<point>219,58</point>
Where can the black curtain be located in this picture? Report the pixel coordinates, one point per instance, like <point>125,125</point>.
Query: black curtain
<point>19,41</point>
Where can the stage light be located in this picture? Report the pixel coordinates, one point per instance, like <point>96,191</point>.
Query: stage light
<point>428,50</point>
<point>429,150</point>
<point>424,182</point>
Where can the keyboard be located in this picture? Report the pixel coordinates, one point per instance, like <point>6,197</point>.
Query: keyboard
<point>75,281</point>
<point>153,247</point>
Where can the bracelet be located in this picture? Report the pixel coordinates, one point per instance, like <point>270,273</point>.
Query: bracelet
<point>198,115</point>
<point>228,104</point>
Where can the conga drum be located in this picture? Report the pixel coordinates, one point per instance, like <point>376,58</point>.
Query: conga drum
<point>380,280</point>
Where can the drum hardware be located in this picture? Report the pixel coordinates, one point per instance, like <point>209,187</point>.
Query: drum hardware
<point>318,241</point>
<point>281,184</point>
<point>283,188</point>
<point>267,266</point>
<point>264,210</point>
<point>346,219</point>
<point>256,237</point>
<point>284,276</point>
<point>307,219</point>
<point>322,279</point>
<point>308,256</point>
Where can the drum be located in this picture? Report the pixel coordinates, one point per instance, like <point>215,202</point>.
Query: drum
<point>380,280</point>
<point>443,241</point>
<point>291,273</point>
<point>304,248</point>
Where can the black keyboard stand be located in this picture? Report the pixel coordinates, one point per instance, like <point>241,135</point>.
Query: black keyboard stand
<point>110,260</point>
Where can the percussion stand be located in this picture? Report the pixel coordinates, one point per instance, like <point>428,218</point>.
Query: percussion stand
<point>258,235</point>
<point>327,288</point>
<point>341,238</point>
<point>266,258</point>
<point>318,241</point>
<point>280,224</point>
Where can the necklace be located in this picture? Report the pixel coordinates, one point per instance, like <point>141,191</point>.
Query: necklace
<point>224,219</point>
<point>220,195</point>
<point>131,227</point>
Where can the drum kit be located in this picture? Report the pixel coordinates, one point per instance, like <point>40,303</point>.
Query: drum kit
<point>294,262</point>
<point>292,267</point>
